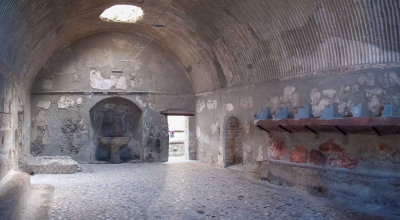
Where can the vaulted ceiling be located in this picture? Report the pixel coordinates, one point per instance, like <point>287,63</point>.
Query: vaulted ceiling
<point>221,43</point>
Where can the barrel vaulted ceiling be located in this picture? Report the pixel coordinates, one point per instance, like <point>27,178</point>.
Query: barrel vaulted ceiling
<point>221,43</point>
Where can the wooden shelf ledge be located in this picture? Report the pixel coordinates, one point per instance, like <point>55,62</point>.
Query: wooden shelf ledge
<point>376,125</point>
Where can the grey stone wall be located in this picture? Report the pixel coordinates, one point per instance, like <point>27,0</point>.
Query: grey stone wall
<point>233,142</point>
<point>13,127</point>
<point>357,168</point>
<point>117,117</point>
<point>96,68</point>
<point>373,87</point>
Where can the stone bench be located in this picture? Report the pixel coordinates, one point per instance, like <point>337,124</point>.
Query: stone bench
<point>360,189</point>
<point>14,190</point>
<point>50,165</point>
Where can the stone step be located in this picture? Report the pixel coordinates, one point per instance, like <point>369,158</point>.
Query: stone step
<point>51,165</point>
<point>14,190</point>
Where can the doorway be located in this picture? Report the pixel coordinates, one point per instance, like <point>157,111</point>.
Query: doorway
<point>178,127</point>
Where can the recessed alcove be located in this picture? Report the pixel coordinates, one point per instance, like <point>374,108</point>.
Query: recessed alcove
<point>233,143</point>
<point>117,117</point>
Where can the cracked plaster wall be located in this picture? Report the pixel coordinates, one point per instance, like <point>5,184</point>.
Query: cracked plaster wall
<point>357,168</point>
<point>13,138</point>
<point>373,87</point>
<point>96,68</point>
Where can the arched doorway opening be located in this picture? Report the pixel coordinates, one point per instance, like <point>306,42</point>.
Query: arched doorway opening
<point>116,119</point>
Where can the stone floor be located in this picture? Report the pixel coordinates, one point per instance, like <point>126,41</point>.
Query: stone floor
<point>189,190</point>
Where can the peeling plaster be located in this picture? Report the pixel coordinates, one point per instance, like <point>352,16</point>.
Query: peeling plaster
<point>198,132</point>
<point>315,96</point>
<point>99,82</point>
<point>260,154</point>
<point>140,102</point>
<point>45,104</point>
<point>65,102</point>
<point>246,129</point>
<point>121,84</point>
<point>40,119</point>
<point>318,109</point>
<point>274,104</point>
<point>229,107</point>
<point>374,104</point>
<point>200,105</point>
<point>79,101</point>
<point>288,91</point>
<point>246,103</point>
<point>215,128</point>
<point>212,104</point>
<point>135,81</point>
<point>330,93</point>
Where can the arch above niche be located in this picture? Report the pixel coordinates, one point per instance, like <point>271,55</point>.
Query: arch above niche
<point>110,110</point>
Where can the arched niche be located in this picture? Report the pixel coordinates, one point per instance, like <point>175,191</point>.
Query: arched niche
<point>233,142</point>
<point>117,117</point>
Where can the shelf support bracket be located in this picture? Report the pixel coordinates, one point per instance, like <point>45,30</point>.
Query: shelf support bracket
<point>310,129</point>
<point>260,127</point>
<point>285,129</point>
<point>376,131</point>
<point>341,131</point>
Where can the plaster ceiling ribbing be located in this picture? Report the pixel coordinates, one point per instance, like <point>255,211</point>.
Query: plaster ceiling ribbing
<point>221,43</point>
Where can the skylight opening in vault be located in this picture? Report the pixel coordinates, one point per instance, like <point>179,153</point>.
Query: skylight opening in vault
<point>122,13</point>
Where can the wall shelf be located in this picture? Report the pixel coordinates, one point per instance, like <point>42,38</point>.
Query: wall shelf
<point>374,125</point>
<point>174,112</point>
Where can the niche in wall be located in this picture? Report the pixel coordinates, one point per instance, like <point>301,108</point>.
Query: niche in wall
<point>117,117</point>
<point>233,143</point>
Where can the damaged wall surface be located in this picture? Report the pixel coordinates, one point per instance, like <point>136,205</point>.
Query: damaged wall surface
<point>94,69</point>
<point>117,117</point>
<point>298,159</point>
<point>13,127</point>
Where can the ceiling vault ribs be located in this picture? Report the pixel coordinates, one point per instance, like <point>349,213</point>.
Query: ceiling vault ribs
<point>220,43</point>
<point>163,11</point>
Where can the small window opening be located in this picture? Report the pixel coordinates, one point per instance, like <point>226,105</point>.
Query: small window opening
<point>122,13</point>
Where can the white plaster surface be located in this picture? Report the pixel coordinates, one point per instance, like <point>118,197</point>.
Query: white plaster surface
<point>229,107</point>
<point>200,105</point>
<point>45,104</point>
<point>212,104</point>
<point>97,81</point>
<point>121,84</point>
<point>65,102</point>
